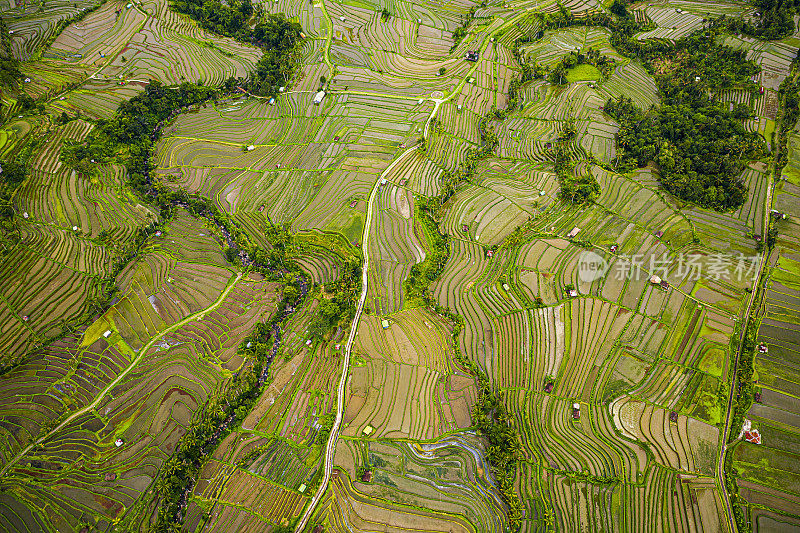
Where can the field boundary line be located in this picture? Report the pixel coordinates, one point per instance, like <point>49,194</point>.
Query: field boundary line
<point>199,315</point>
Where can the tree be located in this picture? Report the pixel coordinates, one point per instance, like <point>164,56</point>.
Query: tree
<point>619,9</point>
<point>442,70</point>
<point>290,293</point>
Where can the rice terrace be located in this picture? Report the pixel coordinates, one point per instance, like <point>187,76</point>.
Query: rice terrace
<point>399,266</point>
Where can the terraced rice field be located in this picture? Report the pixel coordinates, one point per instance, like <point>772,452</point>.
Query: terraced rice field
<point>177,277</point>
<point>615,383</point>
<point>771,492</point>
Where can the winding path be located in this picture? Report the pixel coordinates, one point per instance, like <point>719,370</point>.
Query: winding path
<point>330,448</point>
<point>196,316</point>
<point>334,435</point>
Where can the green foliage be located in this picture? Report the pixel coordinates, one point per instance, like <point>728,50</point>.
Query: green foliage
<point>790,92</point>
<point>718,66</point>
<point>229,19</point>
<point>619,9</point>
<point>623,30</point>
<point>493,421</point>
<point>279,38</point>
<point>218,417</point>
<point>743,381</point>
<point>326,423</point>
<point>423,274</point>
<point>340,307</point>
<point>574,189</point>
<point>282,46</point>
<point>9,66</point>
<point>699,145</point>
<point>558,76</point>
<point>12,175</point>
<point>129,134</point>
<point>776,20</point>
<point>579,189</point>
<point>26,103</point>
<point>701,151</point>
<point>461,32</point>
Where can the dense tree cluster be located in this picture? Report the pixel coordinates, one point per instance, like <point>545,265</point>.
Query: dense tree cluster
<point>790,92</point>
<point>698,55</point>
<point>279,38</point>
<point>619,9</point>
<point>699,145</point>
<point>181,469</point>
<point>775,20</point>
<point>231,19</point>
<point>422,274</point>
<point>605,65</point>
<point>281,41</point>
<point>493,421</point>
<point>339,307</point>
<point>574,189</point>
<point>12,174</point>
<point>9,66</point>
<point>700,151</point>
<point>131,131</point>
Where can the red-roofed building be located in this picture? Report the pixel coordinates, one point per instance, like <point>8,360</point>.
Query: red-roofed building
<point>752,436</point>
